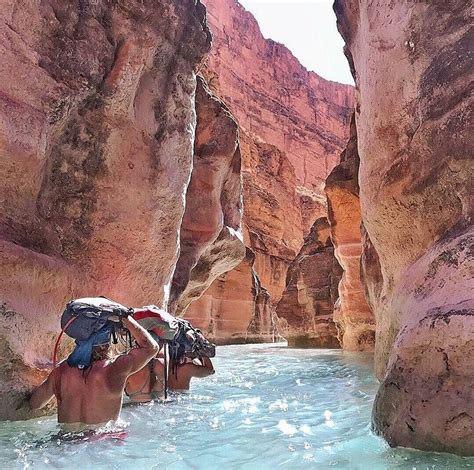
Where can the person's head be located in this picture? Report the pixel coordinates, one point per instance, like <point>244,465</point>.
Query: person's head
<point>95,348</point>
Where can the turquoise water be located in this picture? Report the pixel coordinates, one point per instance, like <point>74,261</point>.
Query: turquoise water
<point>267,407</point>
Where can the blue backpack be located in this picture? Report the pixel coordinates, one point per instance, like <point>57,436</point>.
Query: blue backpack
<point>84,317</point>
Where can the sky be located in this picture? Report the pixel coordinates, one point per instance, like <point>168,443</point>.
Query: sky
<point>308,29</point>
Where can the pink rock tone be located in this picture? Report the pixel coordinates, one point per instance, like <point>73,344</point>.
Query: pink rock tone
<point>413,70</point>
<point>305,311</point>
<point>293,126</point>
<point>274,97</point>
<point>353,316</point>
<point>98,121</point>
<point>211,239</point>
<point>236,308</point>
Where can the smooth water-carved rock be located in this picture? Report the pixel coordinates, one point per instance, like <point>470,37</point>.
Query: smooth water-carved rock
<point>293,126</point>
<point>211,241</point>
<point>236,308</point>
<point>305,311</point>
<point>355,320</point>
<point>98,119</point>
<point>413,69</point>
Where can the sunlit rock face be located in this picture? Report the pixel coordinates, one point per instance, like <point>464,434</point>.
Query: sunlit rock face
<point>353,316</point>
<point>293,126</point>
<point>414,99</point>
<point>210,235</point>
<point>97,135</point>
<point>236,308</point>
<point>305,311</point>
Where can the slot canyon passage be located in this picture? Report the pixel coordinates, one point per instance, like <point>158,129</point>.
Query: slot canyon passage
<point>165,152</point>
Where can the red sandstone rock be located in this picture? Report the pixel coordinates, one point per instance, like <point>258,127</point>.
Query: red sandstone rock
<point>353,316</point>
<point>293,126</point>
<point>413,74</point>
<point>236,308</point>
<point>98,118</point>
<point>210,237</point>
<point>306,308</point>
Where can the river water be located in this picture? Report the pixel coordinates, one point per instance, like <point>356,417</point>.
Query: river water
<point>267,407</point>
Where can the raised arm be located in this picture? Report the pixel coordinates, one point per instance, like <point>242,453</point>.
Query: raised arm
<point>202,369</point>
<point>42,394</point>
<point>138,357</point>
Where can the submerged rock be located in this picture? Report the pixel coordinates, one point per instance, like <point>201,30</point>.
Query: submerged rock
<point>412,64</point>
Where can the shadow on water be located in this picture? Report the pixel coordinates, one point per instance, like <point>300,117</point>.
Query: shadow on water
<point>267,406</point>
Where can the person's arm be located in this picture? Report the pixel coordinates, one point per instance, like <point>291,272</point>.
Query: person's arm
<point>203,370</point>
<point>42,394</point>
<point>138,357</point>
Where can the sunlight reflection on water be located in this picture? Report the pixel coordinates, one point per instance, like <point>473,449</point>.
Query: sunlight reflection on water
<point>266,407</point>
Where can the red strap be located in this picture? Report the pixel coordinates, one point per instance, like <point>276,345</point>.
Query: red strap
<point>57,375</point>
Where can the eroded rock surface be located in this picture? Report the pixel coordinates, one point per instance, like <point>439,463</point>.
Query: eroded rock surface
<point>413,67</point>
<point>353,316</point>
<point>236,308</point>
<point>211,241</point>
<point>97,131</point>
<point>305,311</point>
<point>293,125</point>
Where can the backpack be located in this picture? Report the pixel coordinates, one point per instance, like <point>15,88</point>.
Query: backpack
<point>163,325</point>
<point>84,317</point>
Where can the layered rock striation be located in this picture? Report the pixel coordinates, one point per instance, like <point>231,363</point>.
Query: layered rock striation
<point>412,66</point>
<point>352,314</point>
<point>236,308</point>
<point>293,126</point>
<point>305,311</point>
<point>96,157</point>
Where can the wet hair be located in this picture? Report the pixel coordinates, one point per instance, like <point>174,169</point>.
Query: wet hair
<point>101,352</point>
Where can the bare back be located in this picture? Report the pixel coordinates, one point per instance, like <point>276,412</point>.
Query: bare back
<point>90,396</point>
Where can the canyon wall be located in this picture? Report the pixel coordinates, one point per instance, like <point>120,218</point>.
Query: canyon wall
<point>305,311</point>
<point>413,72</point>
<point>98,121</point>
<point>210,235</point>
<point>293,126</point>
<point>354,318</point>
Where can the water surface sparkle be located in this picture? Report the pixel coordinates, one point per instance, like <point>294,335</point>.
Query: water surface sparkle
<point>267,407</point>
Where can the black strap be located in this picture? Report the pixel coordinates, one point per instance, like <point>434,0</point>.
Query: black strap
<point>114,334</point>
<point>165,349</point>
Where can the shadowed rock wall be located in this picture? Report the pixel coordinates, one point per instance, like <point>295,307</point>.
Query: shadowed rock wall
<point>353,317</point>
<point>305,311</point>
<point>211,241</point>
<point>412,63</point>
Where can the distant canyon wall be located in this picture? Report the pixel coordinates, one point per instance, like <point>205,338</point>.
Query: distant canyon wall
<point>293,126</point>
<point>306,309</point>
<point>413,70</point>
<point>99,110</point>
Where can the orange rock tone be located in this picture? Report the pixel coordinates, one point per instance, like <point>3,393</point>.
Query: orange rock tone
<point>413,70</point>
<point>293,127</point>
<point>98,121</point>
<point>305,311</point>
<point>236,308</point>
<point>211,240</point>
<point>353,316</point>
